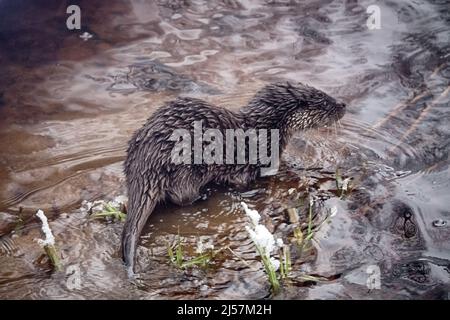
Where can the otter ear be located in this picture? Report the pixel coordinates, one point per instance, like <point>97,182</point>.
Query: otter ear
<point>298,90</point>
<point>302,85</point>
<point>295,85</point>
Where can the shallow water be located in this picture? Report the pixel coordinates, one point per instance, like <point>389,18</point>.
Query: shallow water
<point>68,107</point>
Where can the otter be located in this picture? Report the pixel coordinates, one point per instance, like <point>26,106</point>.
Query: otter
<point>153,178</point>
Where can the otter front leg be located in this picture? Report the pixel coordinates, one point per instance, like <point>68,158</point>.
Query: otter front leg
<point>239,183</point>
<point>184,196</point>
<point>185,190</point>
<point>241,180</point>
<point>185,185</point>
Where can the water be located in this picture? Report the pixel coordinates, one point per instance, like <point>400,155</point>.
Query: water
<point>68,107</point>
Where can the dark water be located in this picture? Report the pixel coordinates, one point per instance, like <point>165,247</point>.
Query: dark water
<point>68,107</point>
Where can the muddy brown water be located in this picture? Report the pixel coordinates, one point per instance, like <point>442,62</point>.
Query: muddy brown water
<point>68,107</point>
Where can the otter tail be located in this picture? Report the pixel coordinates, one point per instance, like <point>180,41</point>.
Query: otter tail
<point>140,206</point>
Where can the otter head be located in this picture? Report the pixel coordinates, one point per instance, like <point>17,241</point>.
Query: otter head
<point>294,107</point>
<point>314,108</point>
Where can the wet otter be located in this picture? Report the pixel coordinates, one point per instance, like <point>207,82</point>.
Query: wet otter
<point>152,177</point>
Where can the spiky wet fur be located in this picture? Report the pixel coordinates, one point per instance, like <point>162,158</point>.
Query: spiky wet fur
<point>153,178</point>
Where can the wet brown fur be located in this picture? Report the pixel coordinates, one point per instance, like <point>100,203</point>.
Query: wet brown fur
<point>153,178</point>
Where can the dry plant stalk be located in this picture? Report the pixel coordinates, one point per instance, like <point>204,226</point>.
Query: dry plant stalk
<point>48,242</point>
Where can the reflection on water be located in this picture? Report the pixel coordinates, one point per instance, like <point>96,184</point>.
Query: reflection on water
<point>68,107</point>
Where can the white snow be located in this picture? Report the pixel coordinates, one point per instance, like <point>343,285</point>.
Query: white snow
<point>252,214</point>
<point>49,238</point>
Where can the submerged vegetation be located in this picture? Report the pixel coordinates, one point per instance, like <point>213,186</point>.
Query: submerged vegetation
<point>114,210</point>
<point>280,259</point>
<point>177,255</point>
<point>109,212</point>
<point>275,254</point>
<point>265,243</point>
<point>342,185</point>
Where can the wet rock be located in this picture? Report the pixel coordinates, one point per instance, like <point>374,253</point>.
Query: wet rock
<point>417,271</point>
<point>314,35</point>
<point>284,228</point>
<point>322,18</point>
<point>7,245</point>
<point>374,252</point>
<point>405,223</point>
<point>93,207</point>
<point>99,206</point>
<point>344,257</point>
<point>173,4</point>
<point>359,275</point>
<point>95,176</point>
<point>7,221</point>
<point>359,199</point>
<point>439,223</point>
<point>119,200</point>
<point>155,76</point>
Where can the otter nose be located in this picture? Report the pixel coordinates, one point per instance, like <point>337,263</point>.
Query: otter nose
<point>343,105</point>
